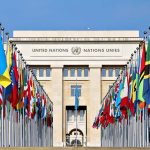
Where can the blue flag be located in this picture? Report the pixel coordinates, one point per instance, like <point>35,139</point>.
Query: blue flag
<point>76,97</point>
<point>4,73</point>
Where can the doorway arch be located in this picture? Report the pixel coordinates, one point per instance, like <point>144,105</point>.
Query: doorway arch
<point>71,137</point>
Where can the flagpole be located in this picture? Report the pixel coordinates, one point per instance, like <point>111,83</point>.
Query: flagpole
<point>2,36</point>
<point>2,100</point>
<point>7,102</point>
<point>76,116</point>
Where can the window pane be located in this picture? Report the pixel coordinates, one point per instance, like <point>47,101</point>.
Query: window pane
<point>86,71</point>
<point>72,72</point>
<point>117,72</point>
<point>73,90</point>
<point>65,72</point>
<point>79,91</point>
<point>110,72</point>
<point>81,115</point>
<point>34,71</point>
<point>79,72</point>
<point>69,115</point>
<point>41,72</point>
<point>47,72</point>
<point>103,72</point>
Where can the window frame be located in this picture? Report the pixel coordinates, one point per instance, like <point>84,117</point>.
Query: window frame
<point>116,72</point>
<point>64,72</point>
<point>103,69</point>
<point>85,72</point>
<point>79,74</point>
<point>69,115</point>
<point>41,68</point>
<point>71,69</point>
<point>109,69</point>
<point>49,72</point>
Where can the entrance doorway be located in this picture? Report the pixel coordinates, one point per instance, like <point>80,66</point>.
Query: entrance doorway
<point>76,135</point>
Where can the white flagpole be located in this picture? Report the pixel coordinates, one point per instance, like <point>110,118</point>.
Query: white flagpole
<point>76,116</point>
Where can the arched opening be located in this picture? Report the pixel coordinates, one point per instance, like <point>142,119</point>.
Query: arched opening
<point>74,137</point>
<point>74,130</point>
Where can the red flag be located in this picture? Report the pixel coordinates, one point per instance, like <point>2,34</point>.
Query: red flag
<point>15,67</point>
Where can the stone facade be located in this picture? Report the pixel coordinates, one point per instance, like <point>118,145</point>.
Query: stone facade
<point>77,50</point>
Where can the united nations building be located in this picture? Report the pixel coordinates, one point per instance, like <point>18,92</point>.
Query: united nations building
<point>62,60</point>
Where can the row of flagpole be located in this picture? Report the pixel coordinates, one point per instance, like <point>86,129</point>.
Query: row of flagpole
<point>26,112</point>
<point>124,113</point>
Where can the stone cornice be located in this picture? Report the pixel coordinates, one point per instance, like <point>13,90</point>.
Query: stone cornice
<point>76,39</point>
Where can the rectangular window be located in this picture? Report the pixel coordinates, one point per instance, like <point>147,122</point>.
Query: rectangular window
<point>110,72</point>
<point>86,71</point>
<point>65,72</point>
<point>117,72</point>
<point>41,72</point>
<point>34,71</point>
<point>69,115</point>
<point>103,72</point>
<point>82,115</point>
<point>72,72</point>
<point>48,72</point>
<point>79,72</point>
<point>73,87</point>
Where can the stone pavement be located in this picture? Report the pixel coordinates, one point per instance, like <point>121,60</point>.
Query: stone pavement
<point>68,148</point>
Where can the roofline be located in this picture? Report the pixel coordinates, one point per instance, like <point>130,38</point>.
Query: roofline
<point>76,39</point>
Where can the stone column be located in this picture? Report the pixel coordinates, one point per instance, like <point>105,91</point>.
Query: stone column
<point>94,105</point>
<point>57,104</point>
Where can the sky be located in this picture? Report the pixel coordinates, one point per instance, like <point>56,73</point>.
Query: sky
<point>75,15</point>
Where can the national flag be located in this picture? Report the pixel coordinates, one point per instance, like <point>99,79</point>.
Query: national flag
<point>14,100</point>
<point>76,97</point>
<point>130,81</point>
<point>30,100</point>
<point>138,62</point>
<point>9,57</point>
<point>97,122</point>
<point>124,95</point>
<point>4,73</point>
<point>49,120</point>
<point>131,104</point>
<point>133,95</point>
<point>141,83</point>
<point>20,85</point>
<point>118,99</point>
<point>43,107</point>
<point>14,78</point>
<point>14,65</point>
<point>146,84</point>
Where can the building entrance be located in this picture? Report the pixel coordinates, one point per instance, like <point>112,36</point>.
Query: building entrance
<point>76,135</point>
